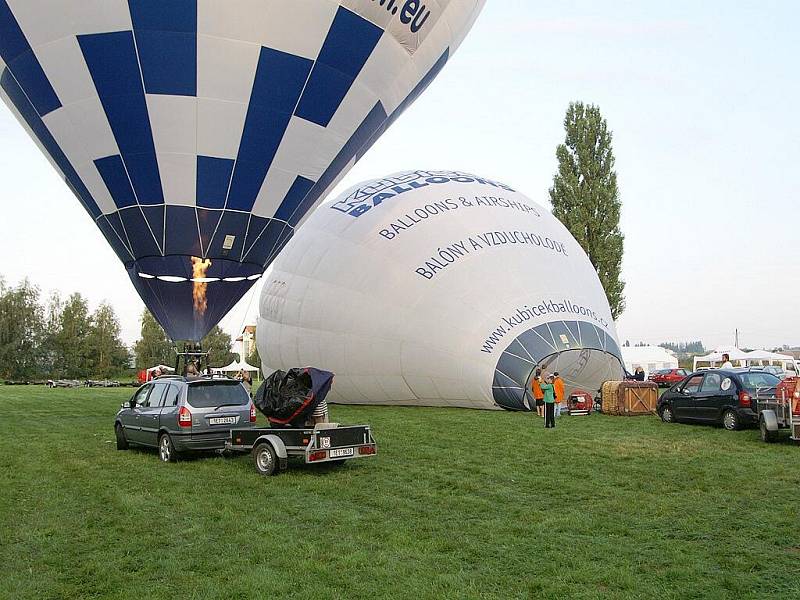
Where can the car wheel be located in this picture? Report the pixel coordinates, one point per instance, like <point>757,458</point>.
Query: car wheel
<point>666,414</point>
<point>265,459</point>
<point>122,442</point>
<point>766,435</point>
<point>730,420</point>
<point>166,451</point>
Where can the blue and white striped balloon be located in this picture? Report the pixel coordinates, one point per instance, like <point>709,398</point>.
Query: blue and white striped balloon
<point>210,128</point>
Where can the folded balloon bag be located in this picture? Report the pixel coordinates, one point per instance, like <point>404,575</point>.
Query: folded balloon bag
<point>288,398</point>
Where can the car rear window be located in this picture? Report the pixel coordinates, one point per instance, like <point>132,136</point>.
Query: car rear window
<point>216,393</point>
<point>751,381</point>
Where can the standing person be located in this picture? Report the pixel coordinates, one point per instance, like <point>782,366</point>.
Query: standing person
<point>247,382</point>
<point>549,402</point>
<point>558,385</point>
<point>538,394</point>
<point>320,414</point>
<point>726,362</point>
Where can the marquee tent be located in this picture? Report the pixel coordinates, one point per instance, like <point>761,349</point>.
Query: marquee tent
<point>740,358</point>
<point>768,357</point>
<point>650,358</point>
<point>714,359</point>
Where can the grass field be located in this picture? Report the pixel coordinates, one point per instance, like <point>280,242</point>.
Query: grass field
<point>458,504</point>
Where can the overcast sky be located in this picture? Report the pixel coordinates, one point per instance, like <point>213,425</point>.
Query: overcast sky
<point>701,100</point>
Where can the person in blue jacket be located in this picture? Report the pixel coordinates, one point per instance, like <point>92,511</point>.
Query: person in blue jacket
<point>549,402</point>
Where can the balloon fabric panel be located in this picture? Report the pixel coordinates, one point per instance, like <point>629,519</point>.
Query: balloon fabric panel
<point>210,129</point>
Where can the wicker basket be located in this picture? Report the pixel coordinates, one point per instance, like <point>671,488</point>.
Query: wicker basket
<point>629,398</point>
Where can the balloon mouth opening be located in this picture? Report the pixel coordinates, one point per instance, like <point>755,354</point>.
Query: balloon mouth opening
<point>178,279</point>
<point>584,355</point>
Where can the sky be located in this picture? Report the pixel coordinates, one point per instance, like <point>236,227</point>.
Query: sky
<point>699,97</point>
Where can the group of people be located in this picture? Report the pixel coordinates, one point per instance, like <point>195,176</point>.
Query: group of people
<point>548,393</point>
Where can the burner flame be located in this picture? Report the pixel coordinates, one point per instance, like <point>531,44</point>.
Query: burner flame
<point>199,268</point>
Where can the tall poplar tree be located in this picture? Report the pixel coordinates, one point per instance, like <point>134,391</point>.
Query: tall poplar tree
<point>585,196</point>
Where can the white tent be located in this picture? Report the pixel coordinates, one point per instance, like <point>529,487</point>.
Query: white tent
<point>650,358</point>
<point>740,358</point>
<point>737,357</point>
<point>764,357</point>
<point>768,357</point>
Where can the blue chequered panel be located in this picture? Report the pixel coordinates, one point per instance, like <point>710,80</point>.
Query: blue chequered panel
<point>349,43</point>
<point>18,56</point>
<point>112,62</point>
<point>166,40</point>
<point>279,81</point>
<point>112,170</point>
<point>213,181</point>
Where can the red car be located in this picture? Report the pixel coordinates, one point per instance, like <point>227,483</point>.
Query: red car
<point>668,377</point>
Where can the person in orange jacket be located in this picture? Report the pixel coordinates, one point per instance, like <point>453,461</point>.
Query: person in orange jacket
<point>558,385</point>
<point>538,394</point>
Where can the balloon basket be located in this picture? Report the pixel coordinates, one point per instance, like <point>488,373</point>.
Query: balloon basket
<point>191,361</point>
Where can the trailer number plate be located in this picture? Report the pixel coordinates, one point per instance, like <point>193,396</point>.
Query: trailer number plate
<point>340,452</point>
<point>222,420</point>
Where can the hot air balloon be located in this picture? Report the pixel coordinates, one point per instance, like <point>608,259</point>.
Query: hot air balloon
<point>437,288</point>
<point>199,133</point>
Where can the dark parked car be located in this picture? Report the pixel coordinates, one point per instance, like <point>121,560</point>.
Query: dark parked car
<point>668,377</point>
<point>717,396</point>
<point>176,414</point>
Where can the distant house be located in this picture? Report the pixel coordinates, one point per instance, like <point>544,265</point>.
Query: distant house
<point>247,341</point>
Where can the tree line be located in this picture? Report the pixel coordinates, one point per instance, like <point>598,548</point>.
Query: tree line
<point>685,347</point>
<point>61,338</point>
<point>57,337</point>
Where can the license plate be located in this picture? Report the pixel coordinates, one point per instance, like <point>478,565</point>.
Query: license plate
<point>340,452</point>
<point>222,420</point>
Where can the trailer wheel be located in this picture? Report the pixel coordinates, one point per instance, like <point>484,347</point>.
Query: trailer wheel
<point>264,459</point>
<point>766,435</point>
<point>122,442</point>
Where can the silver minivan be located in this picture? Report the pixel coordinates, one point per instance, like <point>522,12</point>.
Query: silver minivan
<point>178,414</point>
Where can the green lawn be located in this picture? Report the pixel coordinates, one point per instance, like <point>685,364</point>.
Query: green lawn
<point>458,504</point>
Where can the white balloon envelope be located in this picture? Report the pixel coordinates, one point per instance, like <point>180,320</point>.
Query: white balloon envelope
<point>437,288</point>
